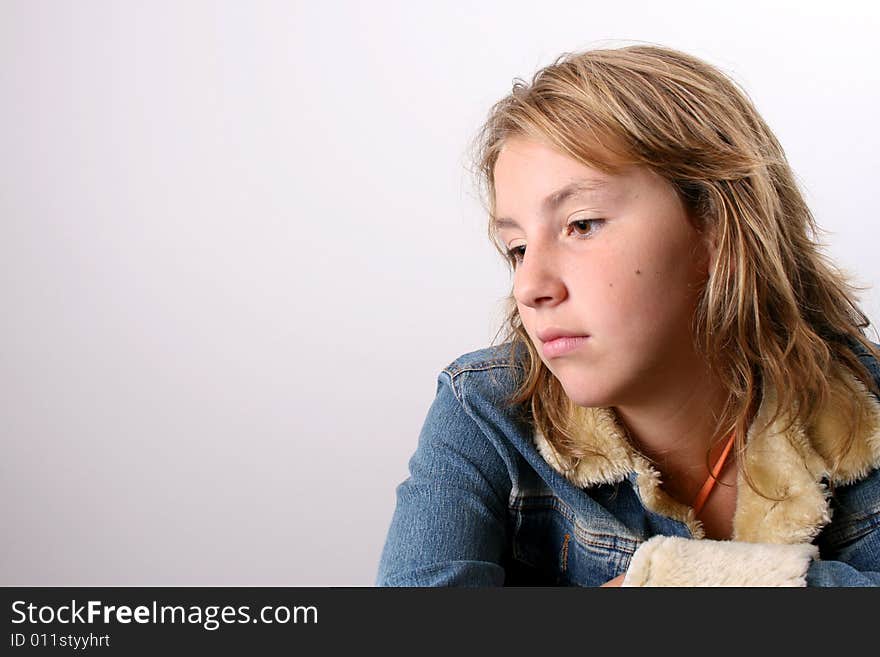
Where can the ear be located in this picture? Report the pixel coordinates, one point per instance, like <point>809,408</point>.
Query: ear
<point>710,244</point>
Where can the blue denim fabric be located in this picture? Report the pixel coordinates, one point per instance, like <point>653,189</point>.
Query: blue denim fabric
<point>481,507</point>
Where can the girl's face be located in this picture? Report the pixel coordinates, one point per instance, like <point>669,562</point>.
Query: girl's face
<point>618,261</point>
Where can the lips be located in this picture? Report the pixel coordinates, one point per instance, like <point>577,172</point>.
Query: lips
<point>563,345</point>
<point>553,332</point>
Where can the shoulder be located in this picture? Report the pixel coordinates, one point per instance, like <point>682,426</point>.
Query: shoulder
<point>495,356</point>
<point>490,373</point>
<point>871,363</point>
<point>470,429</point>
<point>855,519</point>
<point>480,385</point>
<point>855,502</point>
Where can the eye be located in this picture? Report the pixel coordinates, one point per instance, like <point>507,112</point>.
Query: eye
<point>517,253</point>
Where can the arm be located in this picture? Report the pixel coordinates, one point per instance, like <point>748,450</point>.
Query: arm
<point>839,573</point>
<point>677,561</point>
<point>449,526</point>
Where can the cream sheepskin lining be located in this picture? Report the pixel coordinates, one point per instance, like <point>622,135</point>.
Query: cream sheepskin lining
<point>771,541</point>
<point>677,561</point>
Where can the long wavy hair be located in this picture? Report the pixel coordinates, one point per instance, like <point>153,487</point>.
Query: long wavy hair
<point>773,308</point>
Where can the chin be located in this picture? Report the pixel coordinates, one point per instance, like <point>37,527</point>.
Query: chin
<point>591,402</point>
<point>586,396</point>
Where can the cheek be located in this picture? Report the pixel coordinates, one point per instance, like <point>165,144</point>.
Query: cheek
<point>625,302</point>
<point>632,297</point>
<point>658,302</point>
<point>614,291</point>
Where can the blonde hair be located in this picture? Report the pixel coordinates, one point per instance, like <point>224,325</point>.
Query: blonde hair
<point>773,308</point>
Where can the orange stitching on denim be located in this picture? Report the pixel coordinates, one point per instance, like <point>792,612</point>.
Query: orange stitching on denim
<point>585,537</point>
<point>565,551</point>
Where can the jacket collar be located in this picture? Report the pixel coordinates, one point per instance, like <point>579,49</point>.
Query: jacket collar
<point>793,462</point>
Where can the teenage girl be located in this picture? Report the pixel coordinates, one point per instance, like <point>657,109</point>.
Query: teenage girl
<point>685,394</point>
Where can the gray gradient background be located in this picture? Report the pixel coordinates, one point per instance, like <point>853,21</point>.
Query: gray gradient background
<point>239,241</point>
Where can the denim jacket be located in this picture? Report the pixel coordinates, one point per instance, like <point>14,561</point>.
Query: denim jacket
<point>487,503</point>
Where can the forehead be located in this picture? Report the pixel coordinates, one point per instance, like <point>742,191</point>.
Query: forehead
<point>527,169</point>
<point>525,155</point>
<point>530,174</point>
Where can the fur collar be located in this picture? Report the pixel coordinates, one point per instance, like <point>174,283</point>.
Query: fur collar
<point>794,462</point>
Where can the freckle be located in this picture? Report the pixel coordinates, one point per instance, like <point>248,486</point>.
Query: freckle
<point>638,271</point>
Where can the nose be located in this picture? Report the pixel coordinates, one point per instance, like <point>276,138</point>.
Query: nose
<point>537,280</point>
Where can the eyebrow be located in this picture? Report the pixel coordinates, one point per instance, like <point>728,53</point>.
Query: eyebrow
<point>557,198</point>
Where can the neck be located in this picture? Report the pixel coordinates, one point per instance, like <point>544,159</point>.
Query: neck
<point>675,428</point>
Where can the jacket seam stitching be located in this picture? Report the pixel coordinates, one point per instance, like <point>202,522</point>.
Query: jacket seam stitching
<point>584,537</point>
<point>454,388</point>
<point>475,367</point>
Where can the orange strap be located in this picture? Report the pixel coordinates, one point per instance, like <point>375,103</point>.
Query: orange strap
<point>703,495</point>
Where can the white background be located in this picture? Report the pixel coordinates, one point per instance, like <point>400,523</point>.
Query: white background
<point>239,240</point>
